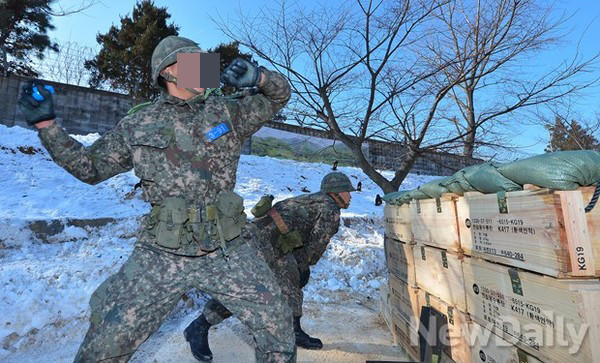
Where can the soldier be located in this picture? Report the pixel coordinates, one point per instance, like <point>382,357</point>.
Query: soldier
<point>185,148</point>
<point>291,237</point>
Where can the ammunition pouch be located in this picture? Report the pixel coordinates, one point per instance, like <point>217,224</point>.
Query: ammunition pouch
<point>290,241</point>
<point>167,223</point>
<point>228,217</point>
<point>287,240</point>
<point>175,225</point>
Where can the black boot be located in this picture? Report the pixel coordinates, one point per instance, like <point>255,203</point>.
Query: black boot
<point>197,335</point>
<point>303,340</point>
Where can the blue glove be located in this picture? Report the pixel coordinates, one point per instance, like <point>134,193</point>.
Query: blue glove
<point>36,106</point>
<point>241,73</point>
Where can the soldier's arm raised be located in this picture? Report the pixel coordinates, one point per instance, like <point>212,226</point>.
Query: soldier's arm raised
<point>250,112</point>
<point>108,156</point>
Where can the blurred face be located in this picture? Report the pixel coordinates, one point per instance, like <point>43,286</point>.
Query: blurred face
<point>176,91</point>
<point>346,197</point>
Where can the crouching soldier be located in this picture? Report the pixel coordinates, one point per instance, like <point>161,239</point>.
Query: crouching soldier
<point>291,237</point>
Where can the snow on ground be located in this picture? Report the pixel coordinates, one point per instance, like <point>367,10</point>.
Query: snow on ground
<point>46,287</point>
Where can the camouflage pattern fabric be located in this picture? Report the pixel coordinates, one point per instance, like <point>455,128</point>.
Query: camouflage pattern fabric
<point>129,306</point>
<point>167,146</point>
<point>170,148</point>
<point>317,217</point>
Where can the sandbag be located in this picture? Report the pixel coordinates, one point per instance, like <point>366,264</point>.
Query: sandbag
<point>397,198</point>
<point>435,188</point>
<point>418,194</point>
<point>485,178</point>
<point>561,170</point>
<point>458,184</point>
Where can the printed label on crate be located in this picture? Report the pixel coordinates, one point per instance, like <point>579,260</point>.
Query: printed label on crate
<point>484,230</point>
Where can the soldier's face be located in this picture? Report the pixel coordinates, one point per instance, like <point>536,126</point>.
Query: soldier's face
<point>172,69</point>
<point>346,197</point>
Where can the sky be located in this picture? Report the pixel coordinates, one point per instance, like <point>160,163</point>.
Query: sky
<point>193,17</point>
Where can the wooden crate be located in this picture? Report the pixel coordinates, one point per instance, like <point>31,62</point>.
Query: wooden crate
<point>487,347</point>
<point>458,325</point>
<point>397,222</point>
<point>386,306</point>
<point>539,313</point>
<point>400,260</point>
<point>404,299</point>
<point>404,333</point>
<point>440,273</point>
<point>537,230</point>
<point>434,223</point>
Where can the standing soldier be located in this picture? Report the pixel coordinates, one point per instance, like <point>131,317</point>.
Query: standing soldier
<point>185,148</point>
<point>291,237</point>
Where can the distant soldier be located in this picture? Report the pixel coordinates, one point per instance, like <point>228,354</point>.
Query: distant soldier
<point>185,148</point>
<point>291,236</point>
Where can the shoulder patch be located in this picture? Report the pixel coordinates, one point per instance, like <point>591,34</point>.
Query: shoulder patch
<point>136,108</point>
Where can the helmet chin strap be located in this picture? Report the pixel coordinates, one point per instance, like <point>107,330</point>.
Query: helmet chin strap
<point>339,200</point>
<point>172,79</point>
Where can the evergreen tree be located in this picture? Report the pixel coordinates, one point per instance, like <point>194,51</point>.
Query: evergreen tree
<point>23,34</point>
<point>124,60</point>
<point>570,136</point>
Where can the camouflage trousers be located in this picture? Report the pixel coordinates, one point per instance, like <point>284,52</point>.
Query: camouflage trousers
<point>284,267</point>
<point>130,305</point>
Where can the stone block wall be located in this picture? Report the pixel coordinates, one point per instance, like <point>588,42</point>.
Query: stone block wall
<point>82,110</point>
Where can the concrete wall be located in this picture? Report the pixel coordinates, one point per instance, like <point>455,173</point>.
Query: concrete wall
<point>82,110</point>
<point>79,110</point>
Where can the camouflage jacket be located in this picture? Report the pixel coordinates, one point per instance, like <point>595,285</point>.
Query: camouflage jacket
<point>316,216</point>
<point>168,145</point>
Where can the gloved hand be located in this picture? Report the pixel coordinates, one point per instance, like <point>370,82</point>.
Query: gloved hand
<point>304,277</point>
<point>33,110</point>
<point>241,73</point>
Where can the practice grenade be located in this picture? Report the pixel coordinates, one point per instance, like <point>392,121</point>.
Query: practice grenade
<point>38,96</point>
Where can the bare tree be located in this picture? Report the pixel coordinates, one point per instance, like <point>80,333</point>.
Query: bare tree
<point>494,43</point>
<point>382,70</point>
<point>354,73</point>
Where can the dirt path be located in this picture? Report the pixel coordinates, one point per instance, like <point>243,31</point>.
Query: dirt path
<point>352,333</point>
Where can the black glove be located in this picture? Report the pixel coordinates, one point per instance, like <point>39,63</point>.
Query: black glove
<point>304,276</point>
<point>241,73</point>
<point>33,110</point>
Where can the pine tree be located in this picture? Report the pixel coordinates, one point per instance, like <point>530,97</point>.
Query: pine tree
<point>23,34</point>
<point>124,60</point>
<point>570,136</point>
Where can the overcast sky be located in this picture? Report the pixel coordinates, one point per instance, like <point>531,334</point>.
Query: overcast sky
<point>193,19</point>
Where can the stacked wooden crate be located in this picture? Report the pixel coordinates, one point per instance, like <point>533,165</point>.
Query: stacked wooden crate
<point>400,296</point>
<point>516,270</point>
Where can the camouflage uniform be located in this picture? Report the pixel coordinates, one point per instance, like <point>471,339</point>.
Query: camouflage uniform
<point>167,146</point>
<point>317,217</point>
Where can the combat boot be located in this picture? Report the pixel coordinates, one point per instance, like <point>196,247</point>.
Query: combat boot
<point>197,335</point>
<point>304,340</point>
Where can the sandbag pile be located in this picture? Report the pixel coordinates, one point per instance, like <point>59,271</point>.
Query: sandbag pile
<point>561,170</point>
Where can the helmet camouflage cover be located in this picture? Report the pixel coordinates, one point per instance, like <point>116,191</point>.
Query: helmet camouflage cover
<point>166,51</point>
<point>336,182</point>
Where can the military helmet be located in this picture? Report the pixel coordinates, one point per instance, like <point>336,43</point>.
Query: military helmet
<point>336,182</point>
<point>166,51</point>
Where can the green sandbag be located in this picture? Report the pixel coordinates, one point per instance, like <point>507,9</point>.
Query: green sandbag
<point>486,179</point>
<point>417,194</point>
<point>561,170</point>
<point>397,198</point>
<point>435,188</point>
<point>458,184</point>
